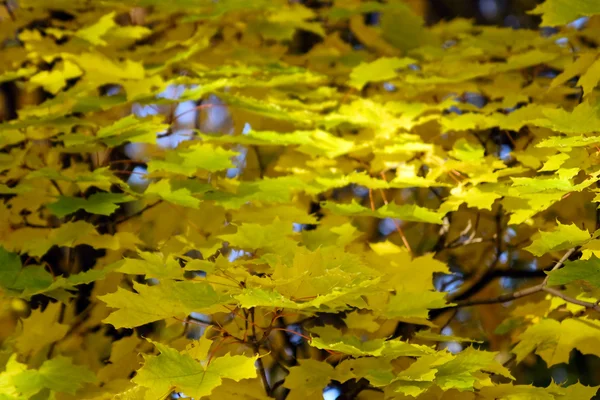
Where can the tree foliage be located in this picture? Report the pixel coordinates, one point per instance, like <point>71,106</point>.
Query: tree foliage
<point>272,199</point>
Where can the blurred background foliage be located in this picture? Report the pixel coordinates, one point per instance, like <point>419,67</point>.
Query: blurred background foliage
<point>486,322</point>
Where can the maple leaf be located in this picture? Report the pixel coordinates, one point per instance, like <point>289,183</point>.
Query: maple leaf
<point>310,377</point>
<point>330,339</point>
<point>55,80</point>
<point>41,329</point>
<point>414,306</point>
<point>561,12</point>
<point>173,369</point>
<point>156,265</point>
<point>188,161</point>
<point>58,374</point>
<point>27,281</point>
<point>168,191</point>
<point>166,300</point>
<point>465,151</point>
<point>577,68</point>
<point>553,341</point>
<point>256,170</point>
<point>98,203</point>
<point>576,390</point>
<point>382,69</point>
<point>404,212</point>
<point>131,129</point>
<point>93,33</point>
<point>562,238</point>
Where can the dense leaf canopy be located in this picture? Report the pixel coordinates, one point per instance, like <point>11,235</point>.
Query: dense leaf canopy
<point>279,199</point>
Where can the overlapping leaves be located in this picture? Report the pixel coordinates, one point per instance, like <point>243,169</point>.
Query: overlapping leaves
<point>291,217</point>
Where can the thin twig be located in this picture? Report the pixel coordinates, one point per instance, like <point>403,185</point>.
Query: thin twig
<point>471,240</point>
<point>371,200</point>
<point>570,299</point>
<point>263,373</point>
<point>559,264</point>
<point>396,224</point>
<point>53,182</point>
<point>500,299</point>
<point>136,214</point>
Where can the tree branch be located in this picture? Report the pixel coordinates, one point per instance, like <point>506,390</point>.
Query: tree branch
<point>542,287</point>
<point>460,298</point>
<point>500,299</point>
<point>260,366</point>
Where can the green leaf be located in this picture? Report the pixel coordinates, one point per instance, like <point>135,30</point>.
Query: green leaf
<point>587,271</point>
<point>344,11</point>
<point>156,265</point>
<point>98,203</point>
<point>58,374</point>
<point>552,392</point>
<point>410,212</point>
<point>168,191</point>
<point>309,377</point>
<point>66,235</point>
<point>188,161</point>
<point>314,143</point>
<point>335,299</point>
<point>562,238</point>
<point>68,283</point>
<point>10,267</point>
<point>178,370</point>
<point>264,298</point>
<point>380,70</point>
<point>131,129</point>
<point>553,341</point>
<point>589,80</point>
<point>266,190</point>
<point>554,162</point>
<point>20,73</point>
<point>405,29</point>
<point>100,177</point>
<point>41,329</point>
<point>34,279</point>
<point>331,339</point>
<point>55,80</point>
<point>270,237</point>
<point>15,278</point>
<point>562,12</point>
<point>567,143</point>
<point>69,234</point>
<point>462,372</point>
<point>414,306</point>
<point>101,69</point>
<point>467,151</point>
<point>577,68</point>
<point>583,119</point>
<point>167,300</point>
<point>482,197</point>
<point>404,212</point>
<point>93,33</point>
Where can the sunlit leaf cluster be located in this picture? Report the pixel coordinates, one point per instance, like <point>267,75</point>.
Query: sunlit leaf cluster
<point>278,199</point>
